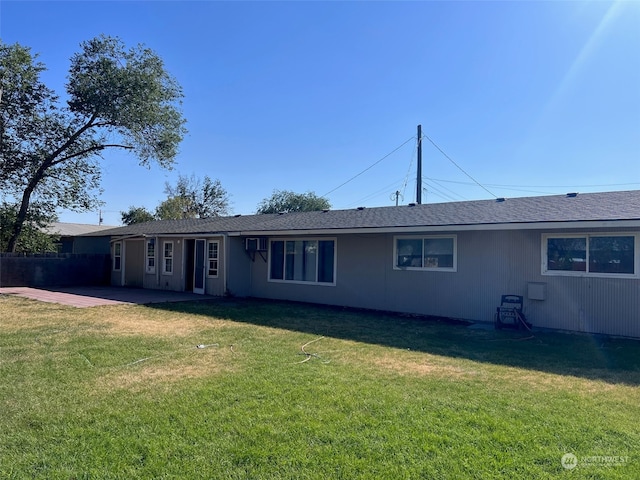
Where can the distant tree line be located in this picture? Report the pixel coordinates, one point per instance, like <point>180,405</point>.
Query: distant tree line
<point>191,197</point>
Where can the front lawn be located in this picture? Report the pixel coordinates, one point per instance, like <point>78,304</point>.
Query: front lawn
<point>282,390</point>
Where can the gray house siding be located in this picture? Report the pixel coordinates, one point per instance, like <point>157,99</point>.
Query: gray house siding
<point>240,268</point>
<point>489,264</point>
<point>134,271</point>
<point>91,245</point>
<point>216,285</point>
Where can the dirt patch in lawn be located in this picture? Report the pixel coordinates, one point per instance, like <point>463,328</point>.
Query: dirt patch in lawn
<point>428,366</point>
<point>164,370</point>
<point>21,314</point>
<point>141,321</point>
<point>504,378</point>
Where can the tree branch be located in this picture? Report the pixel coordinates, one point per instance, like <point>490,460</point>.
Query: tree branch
<point>88,150</point>
<point>50,159</point>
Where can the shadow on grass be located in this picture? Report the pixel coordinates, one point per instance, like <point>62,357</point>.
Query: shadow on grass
<point>613,360</point>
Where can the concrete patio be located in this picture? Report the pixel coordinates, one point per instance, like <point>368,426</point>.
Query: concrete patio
<point>83,297</point>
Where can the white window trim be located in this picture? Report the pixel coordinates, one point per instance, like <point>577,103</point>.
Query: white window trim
<point>172,257</point>
<point>209,259</point>
<point>302,282</point>
<point>426,237</point>
<point>570,273</point>
<point>148,269</point>
<point>118,256</point>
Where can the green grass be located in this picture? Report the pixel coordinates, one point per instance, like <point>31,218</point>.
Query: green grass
<point>122,392</point>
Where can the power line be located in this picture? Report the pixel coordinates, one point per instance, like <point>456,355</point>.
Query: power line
<point>384,189</point>
<point>425,179</point>
<point>439,192</point>
<point>458,166</point>
<point>369,167</point>
<point>406,180</point>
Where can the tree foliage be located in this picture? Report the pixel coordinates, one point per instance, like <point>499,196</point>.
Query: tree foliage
<point>34,239</point>
<point>287,201</point>
<point>191,197</point>
<point>136,215</point>
<point>49,150</point>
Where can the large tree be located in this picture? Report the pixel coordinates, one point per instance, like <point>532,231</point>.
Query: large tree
<point>191,197</point>
<point>117,98</point>
<point>287,201</point>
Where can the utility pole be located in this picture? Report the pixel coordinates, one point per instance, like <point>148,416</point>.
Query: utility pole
<point>397,195</point>
<point>419,174</point>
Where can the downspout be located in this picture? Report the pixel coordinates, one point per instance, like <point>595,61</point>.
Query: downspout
<point>122,262</point>
<point>157,252</point>
<point>225,238</point>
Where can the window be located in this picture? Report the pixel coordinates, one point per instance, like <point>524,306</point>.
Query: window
<point>167,264</point>
<point>303,261</point>
<point>212,259</point>
<point>151,255</point>
<point>117,256</point>
<point>425,253</point>
<point>589,254</point>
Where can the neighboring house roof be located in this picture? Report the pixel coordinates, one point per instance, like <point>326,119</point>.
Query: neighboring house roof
<point>525,212</point>
<point>74,229</point>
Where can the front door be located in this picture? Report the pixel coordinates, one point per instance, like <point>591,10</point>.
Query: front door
<point>198,267</point>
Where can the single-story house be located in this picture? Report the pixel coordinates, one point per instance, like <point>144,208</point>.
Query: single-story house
<point>73,239</point>
<point>574,258</point>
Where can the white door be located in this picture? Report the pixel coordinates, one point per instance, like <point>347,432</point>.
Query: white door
<point>199,267</point>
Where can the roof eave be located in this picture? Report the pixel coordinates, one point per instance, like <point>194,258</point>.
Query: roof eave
<point>580,224</point>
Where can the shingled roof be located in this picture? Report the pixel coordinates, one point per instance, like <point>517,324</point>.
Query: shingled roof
<point>510,213</point>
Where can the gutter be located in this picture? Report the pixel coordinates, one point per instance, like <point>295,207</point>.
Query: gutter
<point>127,237</point>
<point>448,228</point>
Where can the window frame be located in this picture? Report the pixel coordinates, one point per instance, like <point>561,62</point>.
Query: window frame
<point>151,269</point>
<point>423,268</point>
<point>544,260</point>
<point>117,256</point>
<point>334,266</point>
<point>216,259</point>
<point>165,257</point>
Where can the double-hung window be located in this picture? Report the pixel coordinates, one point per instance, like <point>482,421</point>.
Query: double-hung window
<point>167,258</point>
<point>212,258</point>
<point>596,254</point>
<point>117,256</point>
<point>151,255</point>
<point>303,261</point>
<point>437,253</point>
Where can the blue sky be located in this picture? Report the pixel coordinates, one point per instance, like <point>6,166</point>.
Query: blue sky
<point>528,98</point>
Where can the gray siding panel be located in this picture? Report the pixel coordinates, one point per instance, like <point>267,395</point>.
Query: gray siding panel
<point>240,269</point>
<point>215,285</point>
<point>489,264</point>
